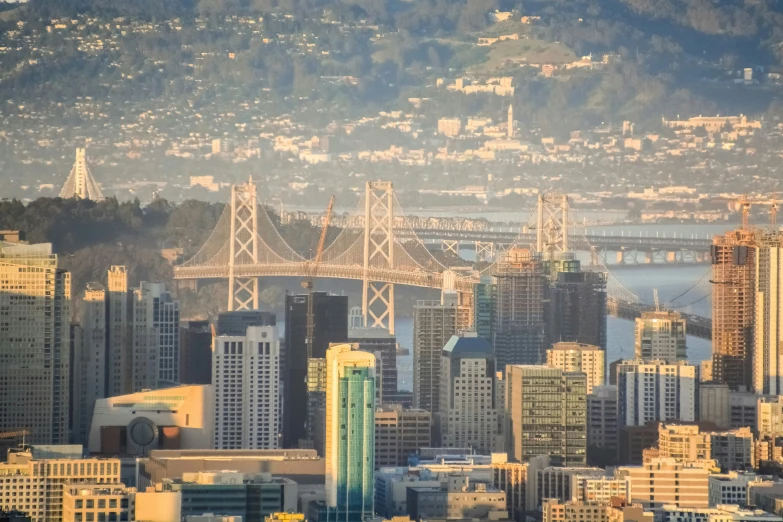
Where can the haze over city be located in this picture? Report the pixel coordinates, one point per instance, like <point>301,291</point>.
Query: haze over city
<point>391,261</point>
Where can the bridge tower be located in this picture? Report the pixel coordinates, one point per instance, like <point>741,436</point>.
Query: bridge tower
<point>243,247</point>
<point>378,297</point>
<point>80,183</point>
<point>552,224</point>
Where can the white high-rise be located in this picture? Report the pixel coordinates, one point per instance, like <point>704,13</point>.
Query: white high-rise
<point>656,391</point>
<point>246,391</point>
<point>579,357</point>
<point>155,337</point>
<point>768,326</point>
<point>34,342</point>
<point>660,336</point>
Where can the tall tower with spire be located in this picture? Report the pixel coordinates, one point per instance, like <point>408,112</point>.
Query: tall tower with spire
<point>80,183</point>
<point>510,124</point>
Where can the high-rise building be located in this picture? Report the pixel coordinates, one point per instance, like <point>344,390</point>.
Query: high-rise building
<point>155,337</point>
<point>120,352</point>
<point>330,319</point>
<point>35,480</point>
<point>578,357</point>
<point>768,324</point>
<point>246,388</point>
<point>468,412</point>
<point>236,322</point>
<point>733,307</point>
<point>656,391</point>
<point>520,331</point>
<point>379,342</point>
<point>484,307</point>
<point>434,322</point>
<point>399,433</point>
<point>769,416</point>
<point>89,361</point>
<point>35,342</point>
<point>602,428</point>
<point>660,336</point>
<point>510,477</point>
<point>195,353</point>
<point>547,414</point>
<point>577,311</point>
<point>350,433</point>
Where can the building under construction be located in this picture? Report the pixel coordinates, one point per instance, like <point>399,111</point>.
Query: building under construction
<point>733,306</point>
<point>577,311</point>
<point>520,296</point>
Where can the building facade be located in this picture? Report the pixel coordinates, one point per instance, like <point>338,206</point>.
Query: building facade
<point>246,389</point>
<point>547,414</point>
<point>155,337</point>
<point>660,336</point>
<point>89,361</point>
<point>656,391</point>
<point>578,308</point>
<point>768,323</point>
<point>733,307</point>
<point>468,413</point>
<point>399,433</point>
<point>350,433</point>
<point>579,357</point>
<point>330,318</point>
<point>434,322</point>
<point>35,312</point>
<point>602,427</point>
<point>663,481</point>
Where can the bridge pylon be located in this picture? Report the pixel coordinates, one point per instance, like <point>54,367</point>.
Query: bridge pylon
<point>552,224</point>
<point>243,247</point>
<point>378,297</point>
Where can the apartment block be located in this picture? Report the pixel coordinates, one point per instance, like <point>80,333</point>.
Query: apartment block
<point>98,502</point>
<point>656,391</point>
<point>661,481</point>
<point>768,323</point>
<point>578,357</point>
<point>602,427</point>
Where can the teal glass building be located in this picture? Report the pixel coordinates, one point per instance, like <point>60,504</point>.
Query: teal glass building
<point>350,427</point>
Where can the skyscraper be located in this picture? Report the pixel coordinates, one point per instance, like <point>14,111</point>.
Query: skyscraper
<point>195,353</point>
<point>547,414</point>
<point>768,324</point>
<point>246,384</point>
<point>89,361</point>
<point>331,326</point>
<point>155,337</point>
<point>34,342</point>
<point>660,336</point>
<point>379,342</point>
<point>578,308</point>
<point>468,413</point>
<point>120,352</point>
<point>733,307</point>
<point>350,433</point>
<point>434,322</point>
<point>520,312</point>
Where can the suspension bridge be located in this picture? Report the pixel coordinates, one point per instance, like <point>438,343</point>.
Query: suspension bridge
<point>382,252</point>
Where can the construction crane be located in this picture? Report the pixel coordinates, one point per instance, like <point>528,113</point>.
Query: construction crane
<point>13,434</point>
<point>311,269</point>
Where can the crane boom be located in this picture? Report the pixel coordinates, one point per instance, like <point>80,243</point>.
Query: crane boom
<point>312,270</point>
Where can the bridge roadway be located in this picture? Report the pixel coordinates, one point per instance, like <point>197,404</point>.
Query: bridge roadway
<point>400,276</point>
<point>695,325</point>
<point>614,243</point>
